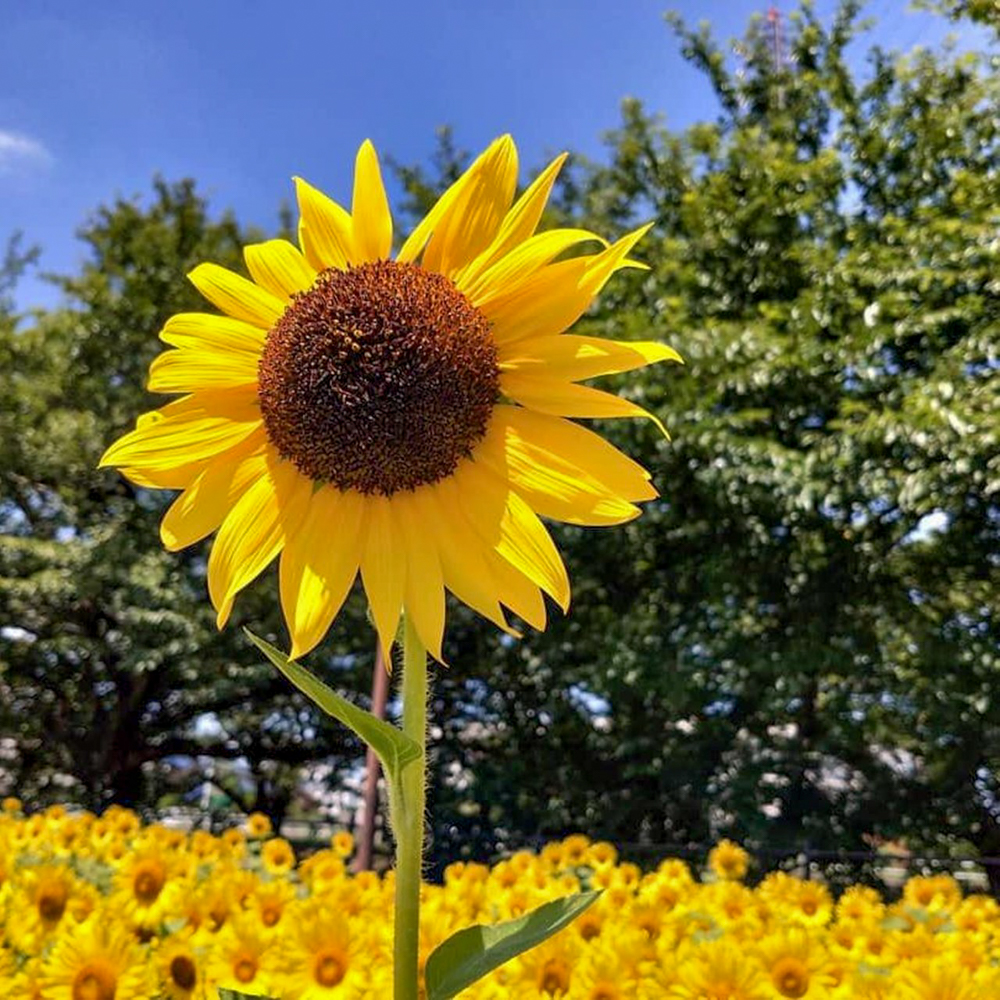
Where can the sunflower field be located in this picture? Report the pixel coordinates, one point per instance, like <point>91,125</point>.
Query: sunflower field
<point>105,908</point>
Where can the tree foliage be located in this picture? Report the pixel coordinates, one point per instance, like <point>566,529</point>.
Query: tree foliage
<point>796,643</point>
<point>111,664</point>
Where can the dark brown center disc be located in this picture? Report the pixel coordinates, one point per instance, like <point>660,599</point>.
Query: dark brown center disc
<point>379,378</point>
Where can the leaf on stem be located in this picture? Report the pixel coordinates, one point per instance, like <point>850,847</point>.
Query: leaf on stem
<point>476,951</point>
<point>394,748</point>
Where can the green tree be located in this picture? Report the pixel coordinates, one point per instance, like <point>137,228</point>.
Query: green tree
<point>110,663</point>
<point>797,644</point>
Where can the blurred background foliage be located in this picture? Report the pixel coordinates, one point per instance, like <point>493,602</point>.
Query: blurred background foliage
<point>796,644</point>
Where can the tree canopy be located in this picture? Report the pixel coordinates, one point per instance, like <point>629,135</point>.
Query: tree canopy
<point>796,643</point>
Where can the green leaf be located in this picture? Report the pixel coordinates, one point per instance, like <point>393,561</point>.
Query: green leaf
<point>236,995</point>
<point>476,951</point>
<point>394,748</point>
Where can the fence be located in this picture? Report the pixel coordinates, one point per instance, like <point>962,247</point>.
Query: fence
<point>887,870</point>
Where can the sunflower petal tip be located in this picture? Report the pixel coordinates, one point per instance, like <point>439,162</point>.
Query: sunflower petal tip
<point>169,539</point>
<point>506,143</point>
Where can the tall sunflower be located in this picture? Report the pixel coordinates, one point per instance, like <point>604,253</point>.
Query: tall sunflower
<point>407,417</point>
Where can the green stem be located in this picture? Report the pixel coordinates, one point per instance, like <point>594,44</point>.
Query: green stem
<point>406,803</point>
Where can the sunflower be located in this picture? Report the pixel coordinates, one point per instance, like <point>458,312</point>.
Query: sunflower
<point>719,970</point>
<point>241,958</point>
<point>795,964</point>
<point>268,902</point>
<point>277,856</point>
<point>550,966</point>
<point>234,843</point>
<point>407,417</point>
<point>939,979</point>
<point>96,960</point>
<point>728,861</point>
<point>147,885</point>
<point>342,843</point>
<point>321,961</point>
<point>324,868</point>
<point>43,895</point>
<point>258,825</point>
<point>180,968</point>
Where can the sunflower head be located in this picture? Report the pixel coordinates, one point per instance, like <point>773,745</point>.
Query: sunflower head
<point>258,825</point>
<point>406,417</point>
<point>728,861</point>
<point>277,856</point>
<point>97,960</point>
<point>180,968</point>
<point>379,378</point>
<point>342,843</point>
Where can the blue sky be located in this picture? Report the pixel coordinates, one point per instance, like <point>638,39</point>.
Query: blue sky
<point>96,97</point>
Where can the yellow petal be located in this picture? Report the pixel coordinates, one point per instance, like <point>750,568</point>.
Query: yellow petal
<point>383,570</point>
<point>521,221</point>
<point>174,477</point>
<point>178,478</point>
<point>472,220</point>
<point>566,399</point>
<point>576,358</point>
<point>319,564</point>
<point>255,530</point>
<point>445,205</point>
<point>220,333</point>
<point>236,296</point>
<point>549,454</point>
<point>554,298</point>
<point>370,208</point>
<point>279,267</point>
<point>203,506</point>
<point>423,599</point>
<point>558,489</point>
<point>517,592</point>
<point>523,261</point>
<point>208,423</point>
<point>201,368</point>
<point>510,527</point>
<point>465,570</point>
<point>325,229</point>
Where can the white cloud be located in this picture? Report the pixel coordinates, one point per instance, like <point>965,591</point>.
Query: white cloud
<point>21,152</point>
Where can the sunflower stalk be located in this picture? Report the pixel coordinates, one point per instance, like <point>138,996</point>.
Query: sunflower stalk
<point>406,807</point>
